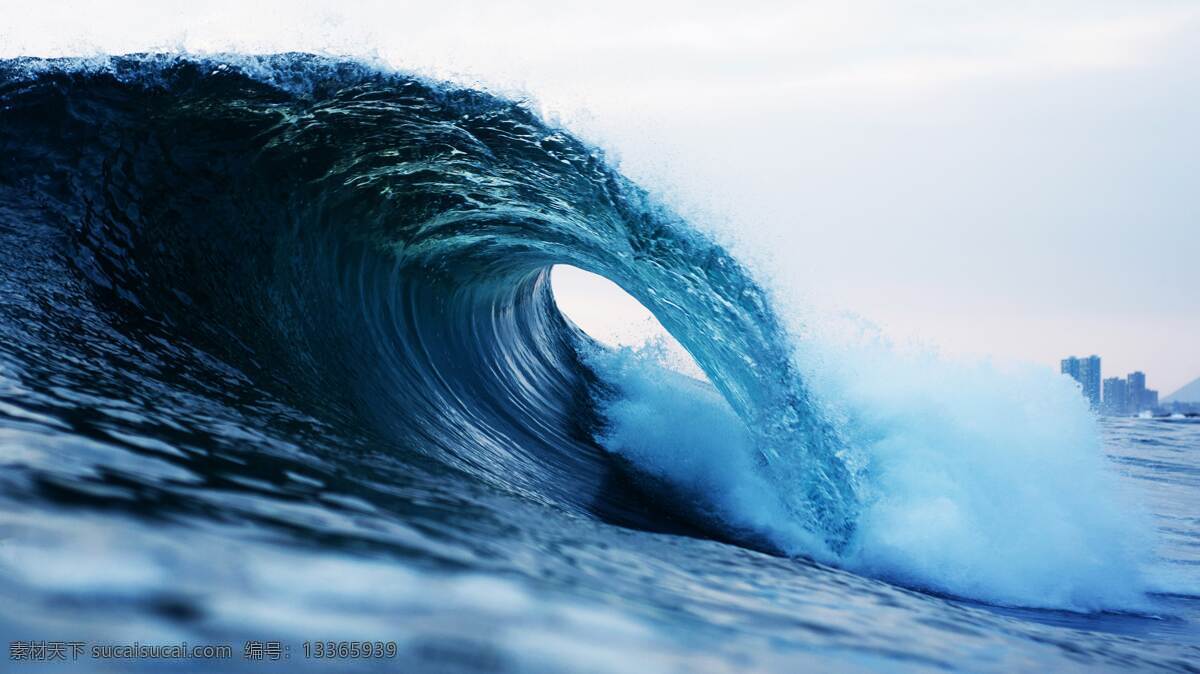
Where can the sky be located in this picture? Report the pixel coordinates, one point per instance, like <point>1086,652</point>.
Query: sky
<point>1013,180</point>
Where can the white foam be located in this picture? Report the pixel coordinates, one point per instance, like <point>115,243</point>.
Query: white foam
<point>985,482</point>
<point>977,481</point>
<point>681,430</point>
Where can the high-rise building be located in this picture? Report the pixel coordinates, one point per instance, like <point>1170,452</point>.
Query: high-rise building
<point>1086,371</point>
<point>1070,367</point>
<point>1116,396</point>
<point>1136,392</point>
<point>1121,396</point>
<point>1089,373</point>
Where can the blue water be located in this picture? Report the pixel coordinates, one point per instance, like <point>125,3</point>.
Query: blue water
<point>281,360</point>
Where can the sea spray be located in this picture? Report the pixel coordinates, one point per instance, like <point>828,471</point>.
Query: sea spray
<point>678,429</point>
<point>978,481</point>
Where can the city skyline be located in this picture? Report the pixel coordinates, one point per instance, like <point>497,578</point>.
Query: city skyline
<point>1163,392</point>
<point>1112,395</point>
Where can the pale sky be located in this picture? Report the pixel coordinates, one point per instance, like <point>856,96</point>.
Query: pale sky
<point>1017,181</point>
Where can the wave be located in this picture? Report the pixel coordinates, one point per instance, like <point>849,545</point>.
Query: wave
<point>375,249</point>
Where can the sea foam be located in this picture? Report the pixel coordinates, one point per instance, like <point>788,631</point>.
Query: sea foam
<point>975,480</point>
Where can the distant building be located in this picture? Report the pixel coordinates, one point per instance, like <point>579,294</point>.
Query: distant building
<point>1070,367</point>
<point>1135,390</point>
<point>1137,393</point>
<point>1116,397</point>
<point>1121,396</point>
<point>1086,371</point>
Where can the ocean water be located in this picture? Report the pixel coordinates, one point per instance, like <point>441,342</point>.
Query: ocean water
<point>281,361</point>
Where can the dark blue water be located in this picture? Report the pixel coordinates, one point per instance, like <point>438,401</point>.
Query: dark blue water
<point>280,360</point>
